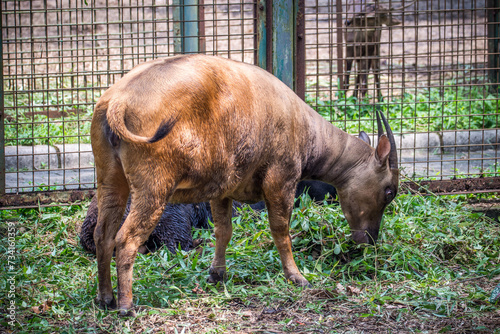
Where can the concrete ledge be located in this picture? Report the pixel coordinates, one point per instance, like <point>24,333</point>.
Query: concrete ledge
<point>41,157</point>
<point>75,155</point>
<point>446,142</point>
<point>471,140</point>
<point>30,157</point>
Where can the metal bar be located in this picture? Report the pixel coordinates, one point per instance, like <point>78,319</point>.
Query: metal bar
<point>178,18</point>
<point>340,57</point>
<point>269,35</point>
<point>2,113</point>
<point>261,34</point>
<point>283,40</point>
<point>456,186</point>
<point>493,42</point>
<point>300,50</point>
<point>202,47</point>
<point>43,198</point>
<point>191,26</point>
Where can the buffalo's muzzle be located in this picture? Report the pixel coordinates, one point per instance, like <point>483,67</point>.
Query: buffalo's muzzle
<point>368,236</point>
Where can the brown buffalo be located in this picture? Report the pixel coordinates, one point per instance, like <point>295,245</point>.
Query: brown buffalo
<point>197,128</point>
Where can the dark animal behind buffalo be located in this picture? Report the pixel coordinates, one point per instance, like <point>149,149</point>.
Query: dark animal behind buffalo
<point>173,229</point>
<point>317,190</point>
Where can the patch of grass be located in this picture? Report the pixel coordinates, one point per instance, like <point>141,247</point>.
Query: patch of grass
<point>433,109</point>
<point>433,269</point>
<point>27,120</point>
<point>41,130</point>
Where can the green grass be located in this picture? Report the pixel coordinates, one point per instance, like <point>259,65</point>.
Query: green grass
<point>39,130</point>
<point>26,121</point>
<point>452,108</point>
<point>433,269</point>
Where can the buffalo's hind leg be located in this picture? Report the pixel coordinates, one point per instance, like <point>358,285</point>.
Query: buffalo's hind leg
<point>221,213</point>
<point>112,195</point>
<point>146,208</point>
<point>279,201</point>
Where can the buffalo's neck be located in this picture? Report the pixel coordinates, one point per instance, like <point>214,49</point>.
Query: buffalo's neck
<point>333,154</point>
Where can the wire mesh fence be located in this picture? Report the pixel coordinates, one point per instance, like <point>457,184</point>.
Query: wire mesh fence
<point>436,64</point>
<point>437,67</point>
<point>60,55</point>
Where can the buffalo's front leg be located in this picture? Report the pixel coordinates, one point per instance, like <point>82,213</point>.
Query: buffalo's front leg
<point>222,213</point>
<point>279,202</point>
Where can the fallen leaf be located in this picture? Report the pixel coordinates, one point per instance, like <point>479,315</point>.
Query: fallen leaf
<point>47,305</point>
<point>391,306</point>
<point>353,290</point>
<point>246,314</point>
<point>320,293</point>
<point>197,289</point>
<point>340,289</point>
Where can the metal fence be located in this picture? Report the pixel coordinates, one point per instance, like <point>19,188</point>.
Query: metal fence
<point>59,56</point>
<point>438,71</point>
<point>438,74</point>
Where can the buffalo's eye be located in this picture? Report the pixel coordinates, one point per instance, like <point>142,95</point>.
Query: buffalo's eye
<point>389,195</point>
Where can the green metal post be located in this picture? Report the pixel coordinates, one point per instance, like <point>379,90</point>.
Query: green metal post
<point>261,30</point>
<point>283,27</point>
<point>186,26</point>
<point>178,31</point>
<point>280,43</point>
<point>191,40</point>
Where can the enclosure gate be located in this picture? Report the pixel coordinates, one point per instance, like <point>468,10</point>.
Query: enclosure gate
<point>438,78</point>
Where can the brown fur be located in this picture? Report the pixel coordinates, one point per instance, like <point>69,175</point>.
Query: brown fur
<point>198,128</point>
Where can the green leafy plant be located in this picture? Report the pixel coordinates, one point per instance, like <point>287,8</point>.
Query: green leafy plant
<point>35,118</point>
<point>433,109</point>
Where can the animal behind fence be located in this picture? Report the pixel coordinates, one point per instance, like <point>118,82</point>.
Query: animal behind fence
<point>362,35</point>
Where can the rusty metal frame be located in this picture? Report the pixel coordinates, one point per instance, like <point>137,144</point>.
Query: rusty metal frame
<point>44,198</point>
<point>454,186</point>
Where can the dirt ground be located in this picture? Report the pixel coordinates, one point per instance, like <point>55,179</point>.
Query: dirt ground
<point>348,316</point>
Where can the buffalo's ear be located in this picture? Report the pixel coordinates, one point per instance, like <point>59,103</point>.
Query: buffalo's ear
<point>383,150</point>
<point>364,137</point>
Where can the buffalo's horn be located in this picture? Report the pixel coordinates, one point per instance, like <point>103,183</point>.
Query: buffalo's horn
<point>393,156</point>
<point>379,125</point>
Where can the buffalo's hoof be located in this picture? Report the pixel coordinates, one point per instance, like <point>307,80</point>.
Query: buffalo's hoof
<point>299,280</point>
<point>109,304</point>
<point>216,276</point>
<point>128,313</point>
